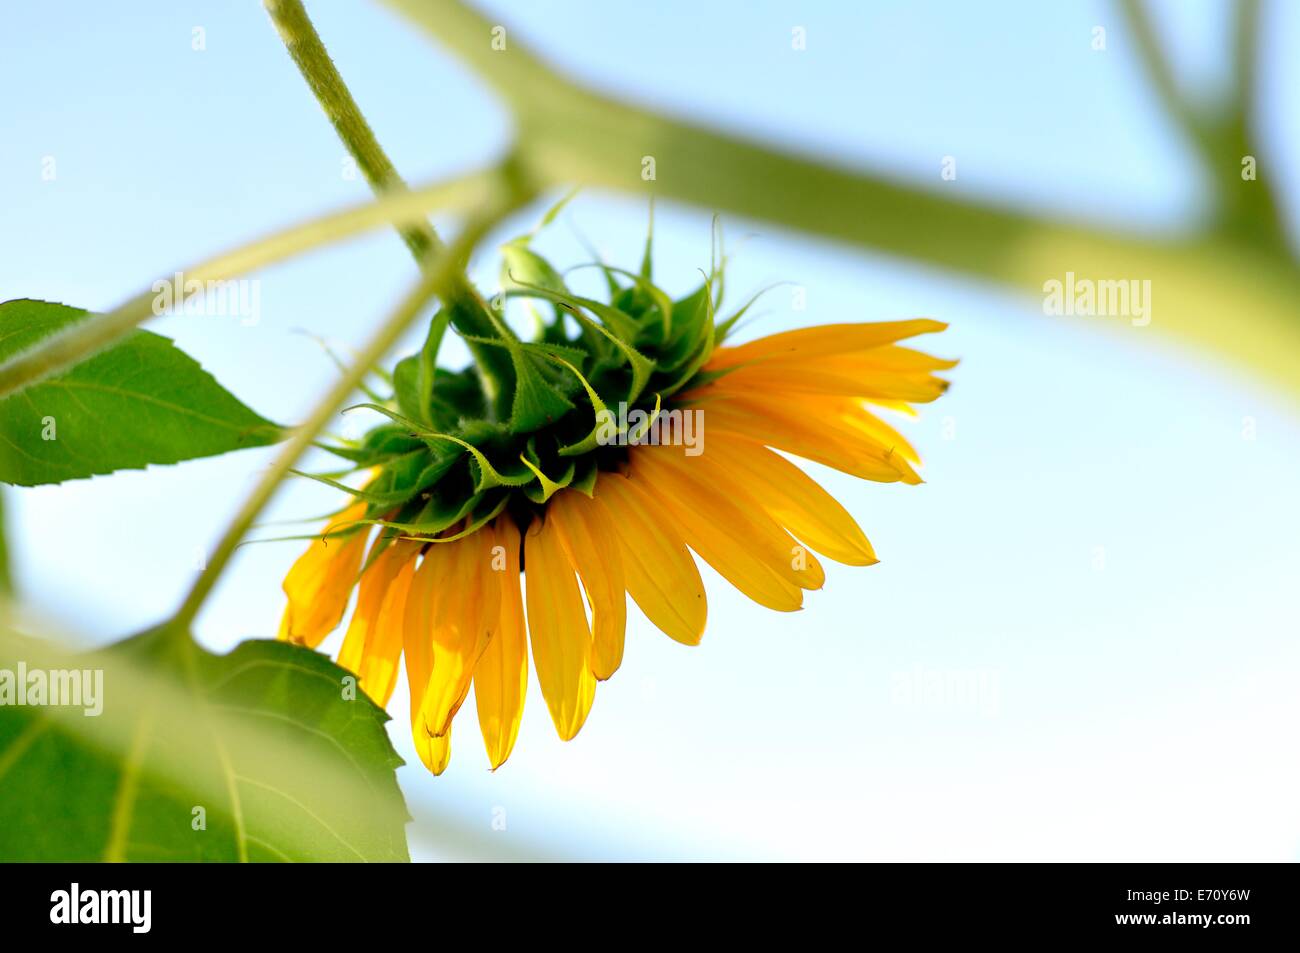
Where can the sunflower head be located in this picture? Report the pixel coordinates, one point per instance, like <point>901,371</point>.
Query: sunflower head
<point>529,417</point>
<point>535,461</point>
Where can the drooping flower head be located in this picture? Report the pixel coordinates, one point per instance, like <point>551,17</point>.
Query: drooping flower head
<point>512,506</point>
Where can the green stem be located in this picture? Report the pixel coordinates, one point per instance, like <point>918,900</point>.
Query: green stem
<point>313,61</point>
<point>1245,58</point>
<point>436,279</point>
<point>1251,209</point>
<point>1164,83</point>
<point>60,351</point>
<point>490,51</point>
<point>1246,209</point>
<point>1217,288</point>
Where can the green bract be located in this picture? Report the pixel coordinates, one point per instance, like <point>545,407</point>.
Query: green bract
<point>522,421</point>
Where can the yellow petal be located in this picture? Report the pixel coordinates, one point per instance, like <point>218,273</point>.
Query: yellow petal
<point>795,426</point>
<point>383,651</point>
<point>558,630</point>
<point>893,357</point>
<point>320,583</point>
<point>834,376</point>
<point>846,420</point>
<point>592,547</point>
<point>794,499</point>
<point>501,675</point>
<point>660,575</point>
<point>375,580</point>
<point>740,545</point>
<point>462,620</point>
<point>434,751</point>
<point>729,505</point>
<point>854,415</point>
<point>417,632</point>
<point>826,339</point>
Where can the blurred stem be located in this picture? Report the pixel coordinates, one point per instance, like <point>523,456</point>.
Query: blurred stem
<point>1163,80</point>
<point>60,351</point>
<point>1231,295</point>
<point>491,52</point>
<point>1251,209</point>
<point>436,279</point>
<point>1229,290</point>
<point>1245,57</point>
<point>1247,208</point>
<point>1221,289</point>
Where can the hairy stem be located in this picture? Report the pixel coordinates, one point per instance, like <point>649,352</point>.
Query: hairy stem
<point>313,61</point>
<point>308,51</point>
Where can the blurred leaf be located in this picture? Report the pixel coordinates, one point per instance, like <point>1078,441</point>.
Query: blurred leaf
<point>142,401</point>
<point>6,577</point>
<point>258,755</point>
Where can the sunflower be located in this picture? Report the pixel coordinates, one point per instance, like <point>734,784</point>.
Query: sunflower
<point>513,510</point>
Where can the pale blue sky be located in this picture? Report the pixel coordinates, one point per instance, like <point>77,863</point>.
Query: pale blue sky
<point>1142,710</point>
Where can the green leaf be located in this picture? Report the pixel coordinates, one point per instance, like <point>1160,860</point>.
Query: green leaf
<point>264,754</point>
<point>521,266</point>
<point>537,403</point>
<point>545,487</point>
<point>649,297</point>
<point>402,477</point>
<point>647,255</point>
<point>692,324</point>
<point>438,514</point>
<point>534,403</point>
<point>574,355</point>
<point>496,374</point>
<point>642,366</point>
<point>592,440</point>
<point>724,328</point>
<point>616,321</point>
<point>380,444</point>
<point>457,395</point>
<point>142,401</point>
<point>414,376</point>
<point>585,480</point>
